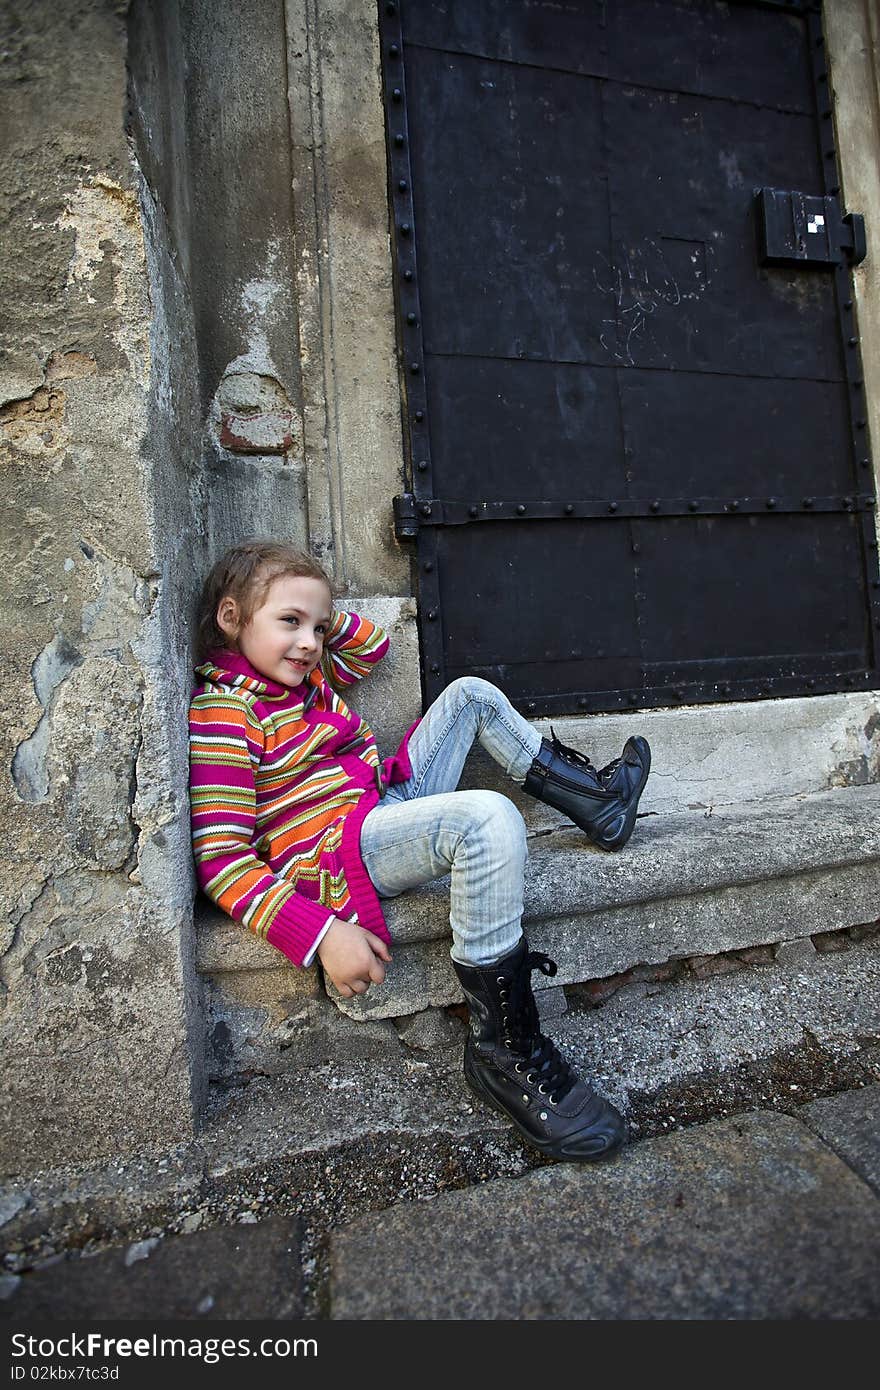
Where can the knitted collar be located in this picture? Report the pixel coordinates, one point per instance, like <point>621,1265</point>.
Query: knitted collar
<point>231,668</point>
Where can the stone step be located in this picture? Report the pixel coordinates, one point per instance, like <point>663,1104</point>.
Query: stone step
<point>694,882</point>
<point>705,756</point>
<point>711,1223</point>
<point>224,1273</point>
<point>339,1136</point>
<point>553,1243</point>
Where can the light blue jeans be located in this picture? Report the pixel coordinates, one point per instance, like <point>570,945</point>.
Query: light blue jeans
<point>423,828</point>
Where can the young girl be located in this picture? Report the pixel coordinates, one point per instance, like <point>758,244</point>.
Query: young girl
<point>299,829</point>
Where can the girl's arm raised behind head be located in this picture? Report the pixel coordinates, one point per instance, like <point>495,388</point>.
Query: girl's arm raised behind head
<point>353,646</point>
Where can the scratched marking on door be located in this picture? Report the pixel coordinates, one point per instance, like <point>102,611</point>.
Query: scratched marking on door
<point>646,279</point>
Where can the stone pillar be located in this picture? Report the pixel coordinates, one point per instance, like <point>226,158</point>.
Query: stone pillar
<point>101,1035</point>
<point>852,36</point>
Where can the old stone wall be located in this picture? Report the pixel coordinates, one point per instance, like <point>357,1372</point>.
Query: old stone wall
<point>99,998</point>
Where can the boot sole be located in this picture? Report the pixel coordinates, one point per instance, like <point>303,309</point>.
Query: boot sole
<point>621,837</point>
<point>551,1148</point>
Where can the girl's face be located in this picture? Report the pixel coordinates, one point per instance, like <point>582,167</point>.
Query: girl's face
<point>284,639</point>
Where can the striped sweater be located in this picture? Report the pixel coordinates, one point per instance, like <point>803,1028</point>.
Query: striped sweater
<point>281,780</point>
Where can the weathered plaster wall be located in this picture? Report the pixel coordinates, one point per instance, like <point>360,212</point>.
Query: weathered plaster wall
<point>351,395</point>
<point>98,987</point>
<point>852,29</point>
<point>212,135</point>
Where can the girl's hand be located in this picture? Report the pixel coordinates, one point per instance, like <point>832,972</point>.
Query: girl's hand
<point>352,957</point>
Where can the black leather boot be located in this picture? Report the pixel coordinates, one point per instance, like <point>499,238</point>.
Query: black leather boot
<point>604,803</point>
<point>511,1065</point>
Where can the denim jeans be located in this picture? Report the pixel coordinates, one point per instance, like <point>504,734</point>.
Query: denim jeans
<point>423,828</point>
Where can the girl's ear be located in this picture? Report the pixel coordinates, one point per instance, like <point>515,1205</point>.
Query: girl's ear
<point>228,618</point>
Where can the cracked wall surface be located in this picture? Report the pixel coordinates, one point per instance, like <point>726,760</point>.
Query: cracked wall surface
<point>97,1001</point>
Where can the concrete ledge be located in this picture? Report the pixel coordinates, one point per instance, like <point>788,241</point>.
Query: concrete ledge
<point>689,884</point>
<point>830,840</point>
<point>757,750</point>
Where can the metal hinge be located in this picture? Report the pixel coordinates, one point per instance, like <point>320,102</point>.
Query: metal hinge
<point>406,526</point>
<point>797,229</point>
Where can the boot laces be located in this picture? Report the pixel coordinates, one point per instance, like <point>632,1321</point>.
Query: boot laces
<point>555,1076</point>
<point>544,1062</point>
<point>570,755</point>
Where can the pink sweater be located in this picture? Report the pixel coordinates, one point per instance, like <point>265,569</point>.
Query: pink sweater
<point>281,780</point>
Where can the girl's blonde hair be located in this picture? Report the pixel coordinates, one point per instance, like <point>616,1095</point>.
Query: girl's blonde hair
<point>244,572</point>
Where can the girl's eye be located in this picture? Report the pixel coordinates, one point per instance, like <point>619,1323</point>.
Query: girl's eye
<point>290,619</point>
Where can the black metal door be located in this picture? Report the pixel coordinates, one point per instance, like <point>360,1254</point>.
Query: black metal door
<point>632,389</point>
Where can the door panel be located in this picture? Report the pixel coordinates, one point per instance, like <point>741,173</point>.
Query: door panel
<point>637,453</point>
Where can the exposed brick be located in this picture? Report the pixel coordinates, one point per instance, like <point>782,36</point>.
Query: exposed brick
<point>800,952</point>
<point>706,966</point>
<point>865,931</point>
<point>269,432</point>
<point>827,941</point>
<point>595,992</point>
<point>664,970</point>
<point>755,955</point>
